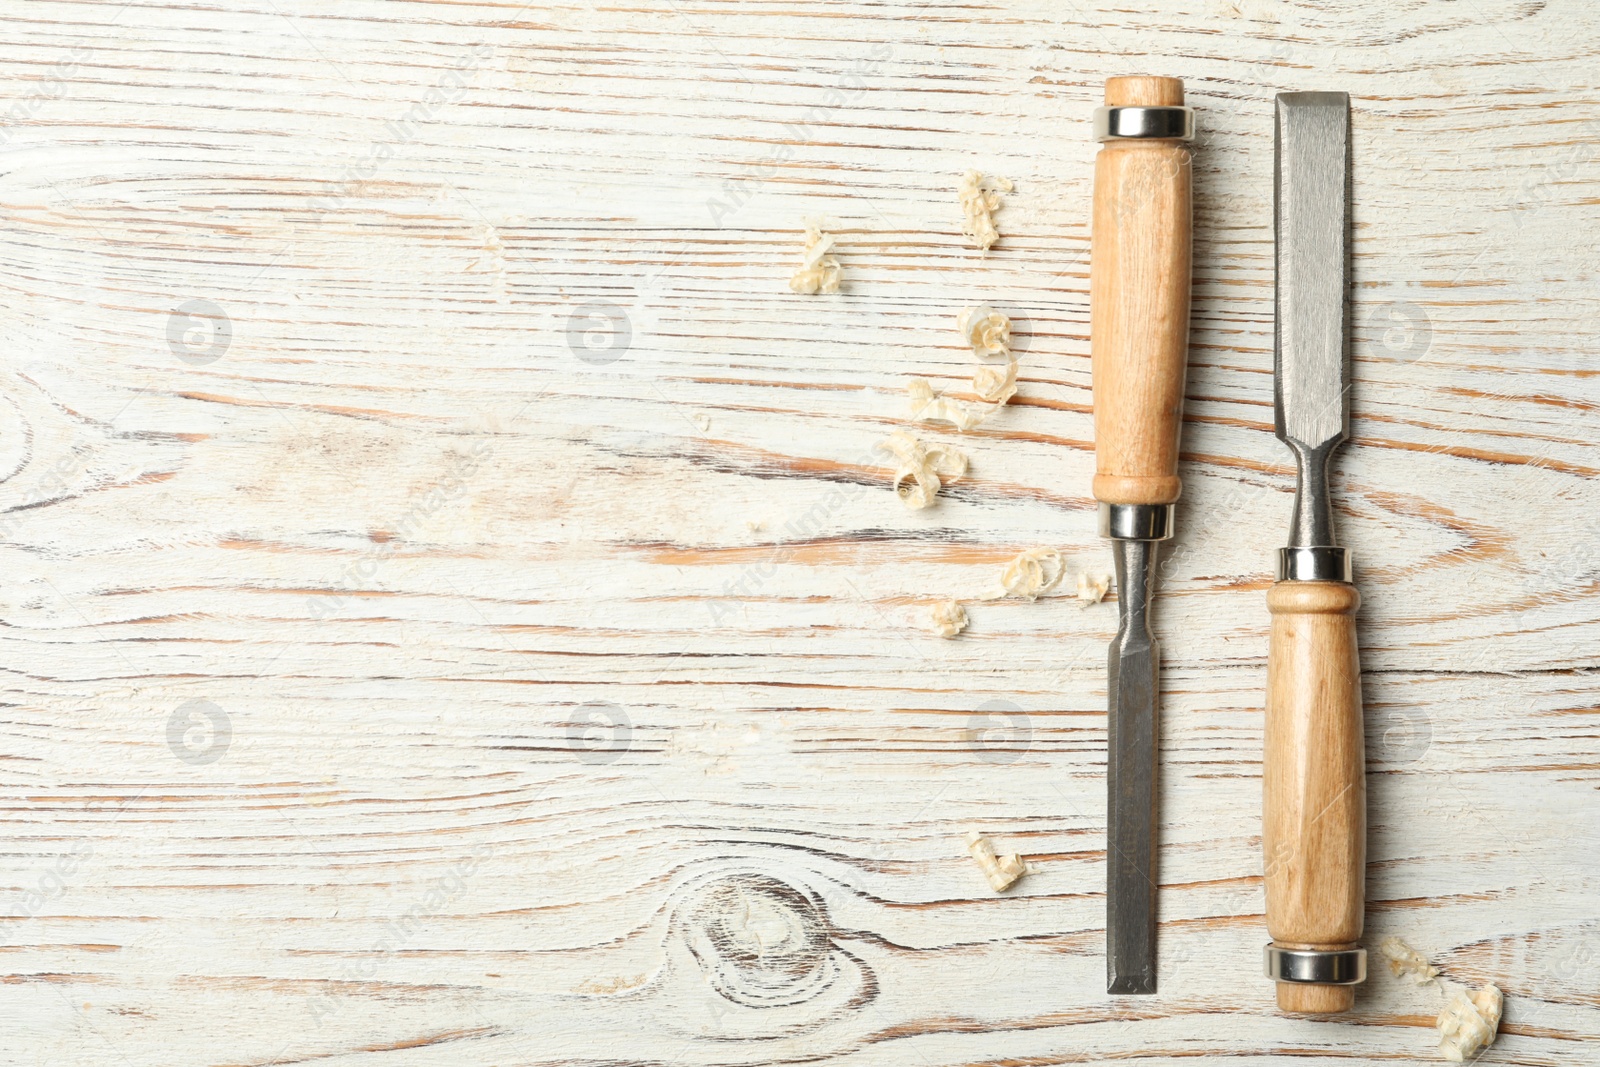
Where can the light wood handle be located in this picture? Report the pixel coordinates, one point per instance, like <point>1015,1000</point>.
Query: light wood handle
<point>1314,825</point>
<point>1139,303</point>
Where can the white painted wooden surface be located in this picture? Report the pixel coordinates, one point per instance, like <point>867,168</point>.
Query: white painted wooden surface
<point>313,619</point>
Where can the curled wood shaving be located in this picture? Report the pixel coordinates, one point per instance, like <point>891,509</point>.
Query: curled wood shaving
<point>995,384</point>
<point>989,334</point>
<point>987,331</point>
<point>922,468</point>
<point>1036,571</point>
<point>980,199</point>
<point>949,618</point>
<point>1407,962</point>
<point>1468,1024</point>
<point>819,270</point>
<point>1092,588</point>
<point>1002,871</point>
<point>1470,1018</point>
<point>929,406</point>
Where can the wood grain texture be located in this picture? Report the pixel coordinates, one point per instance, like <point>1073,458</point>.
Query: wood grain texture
<point>1139,303</point>
<point>393,675</point>
<point>1314,789</point>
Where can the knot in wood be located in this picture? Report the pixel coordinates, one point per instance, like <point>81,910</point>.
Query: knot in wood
<point>759,941</point>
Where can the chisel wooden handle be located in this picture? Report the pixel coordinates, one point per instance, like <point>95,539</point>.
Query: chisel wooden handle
<point>1139,301</point>
<point>1315,804</point>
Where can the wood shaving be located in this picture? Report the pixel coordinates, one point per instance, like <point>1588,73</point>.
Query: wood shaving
<point>1002,871</point>
<point>949,618</point>
<point>1092,588</point>
<point>929,406</point>
<point>989,334</point>
<point>702,420</point>
<point>980,199</point>
<point>1470,1018</point>
<point>923,469</point>
<point>1407,962</point>
<point>1031,573</point>
<point>987,331</point>
<point>819,270</point>
<point>995,384</point>
<point>1468,1024</point>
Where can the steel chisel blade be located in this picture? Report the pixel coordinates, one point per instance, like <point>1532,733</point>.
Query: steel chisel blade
<point>1132,744</point>
<point>1312,361</point>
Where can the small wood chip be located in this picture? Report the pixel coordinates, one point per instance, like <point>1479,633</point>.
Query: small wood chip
<point>929,406</point>
<point>1468,1024</point>
<point>1002,871</point>
<point>1470,1018</point>
<point>819,269</point>
<point>1407,962</point>
<point>995,384</point>
<point>986,330</point>
<point>988,333</point>
<point>1092,588</point>
<point>980,199</point>
<point>1032,573</point>
<point>923,469</point>
<point>949,618</point>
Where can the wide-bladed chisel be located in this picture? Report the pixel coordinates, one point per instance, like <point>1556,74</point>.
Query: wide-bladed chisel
<point>1139,340</point>
<point>1314,785</point>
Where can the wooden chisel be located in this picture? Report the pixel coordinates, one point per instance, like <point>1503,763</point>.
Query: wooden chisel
<point>1138,340</point>
<point>1314,784</point>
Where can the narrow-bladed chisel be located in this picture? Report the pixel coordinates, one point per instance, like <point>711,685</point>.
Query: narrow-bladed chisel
<point>1314,806</point>
<point>1139,340</point>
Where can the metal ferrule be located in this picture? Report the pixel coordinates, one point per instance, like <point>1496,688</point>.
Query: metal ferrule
<point>1319,563</point>
<point>1136,522</point>
<point>1144,123</point>
<point>1343,966</point>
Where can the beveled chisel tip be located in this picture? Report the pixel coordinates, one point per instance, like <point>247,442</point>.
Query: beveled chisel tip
<point>1122,985</point>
